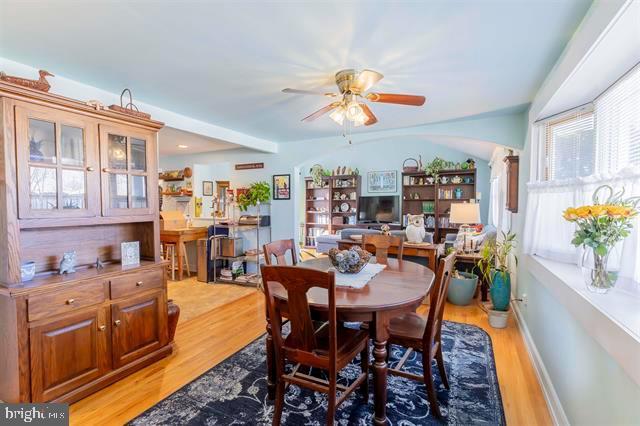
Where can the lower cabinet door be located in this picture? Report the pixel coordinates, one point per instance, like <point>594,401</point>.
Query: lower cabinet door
<point>139,327</point>
<point>68,353</point>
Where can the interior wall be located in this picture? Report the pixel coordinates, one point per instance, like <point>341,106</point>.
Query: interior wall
<point>591,387</point>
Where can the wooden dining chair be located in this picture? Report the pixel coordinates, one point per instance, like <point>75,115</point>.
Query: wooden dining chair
<point>279,249</point>
<point>415,332</point>
<point>330,347</point>
<point>382,243</point>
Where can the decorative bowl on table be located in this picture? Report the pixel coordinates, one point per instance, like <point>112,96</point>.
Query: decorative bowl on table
<point>349,261</point>
<point>356,237</point>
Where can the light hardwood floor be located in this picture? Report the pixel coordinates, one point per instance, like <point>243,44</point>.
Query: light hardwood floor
<point>210,337</point>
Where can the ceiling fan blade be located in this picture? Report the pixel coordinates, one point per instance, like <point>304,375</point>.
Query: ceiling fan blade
<point>366,79</point>
<point>390,98</point>
<point>371,117</point>
<point>321,111</point>
<point>308,92</point>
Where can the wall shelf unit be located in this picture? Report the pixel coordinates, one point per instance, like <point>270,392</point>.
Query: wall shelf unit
<point>330,206</point>
<point>421,194</point>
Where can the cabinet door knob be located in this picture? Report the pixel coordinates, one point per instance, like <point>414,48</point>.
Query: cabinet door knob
<point>117,322</point>
<point>102,327</point>
<point>139,284</point>
<point>90,169</point>
<point>70,301</point>
<point>106,170</point>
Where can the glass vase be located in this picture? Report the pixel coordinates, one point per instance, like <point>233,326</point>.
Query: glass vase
<point>599,271</point>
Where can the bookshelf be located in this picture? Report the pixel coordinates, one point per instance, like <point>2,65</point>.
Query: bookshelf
<point>330,206</point>
<point>421,194</point>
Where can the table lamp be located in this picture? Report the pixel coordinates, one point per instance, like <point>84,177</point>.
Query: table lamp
<point>464,214</point>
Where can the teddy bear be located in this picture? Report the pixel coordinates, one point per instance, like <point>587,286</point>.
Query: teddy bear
<point>415,228</point>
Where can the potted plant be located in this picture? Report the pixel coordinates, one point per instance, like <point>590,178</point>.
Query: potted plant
<point>258,192</point>
<point>435,166</point>
<point>462,286</point>
<point>599,228</point>
<point>496,270</point>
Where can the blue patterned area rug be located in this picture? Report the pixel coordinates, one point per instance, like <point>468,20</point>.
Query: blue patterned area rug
<point>235,391</point>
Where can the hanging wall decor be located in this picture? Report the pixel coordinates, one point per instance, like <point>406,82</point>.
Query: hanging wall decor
<point>281,187</point>
<point>384,181</point>
<point>207,188</point>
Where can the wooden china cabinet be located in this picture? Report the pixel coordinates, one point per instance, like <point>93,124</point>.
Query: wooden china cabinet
<point>76,178</point>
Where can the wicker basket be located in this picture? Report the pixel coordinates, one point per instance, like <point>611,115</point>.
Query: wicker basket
<point>410,169</point>
<point>363,255</point>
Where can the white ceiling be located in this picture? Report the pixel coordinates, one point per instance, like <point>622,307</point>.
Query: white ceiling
<point>225,62</point>
<point>169,139</point>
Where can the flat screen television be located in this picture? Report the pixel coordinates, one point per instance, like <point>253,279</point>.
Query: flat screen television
<point>379,209</point>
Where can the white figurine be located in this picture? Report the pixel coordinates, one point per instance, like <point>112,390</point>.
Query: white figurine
<point>415,229</point>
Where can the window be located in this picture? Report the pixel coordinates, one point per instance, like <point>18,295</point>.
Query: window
<point>618,124</point>
<point>601,138</point>
<point>593,145</point>
<point>570,146</point>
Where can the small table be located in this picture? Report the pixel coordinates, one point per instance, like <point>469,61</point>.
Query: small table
<point>180,236</point>
<point>472,259</point>
<point>398,289</point>
<point>423,250</point>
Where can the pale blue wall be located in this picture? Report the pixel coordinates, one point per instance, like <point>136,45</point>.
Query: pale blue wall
<point>592,387</point>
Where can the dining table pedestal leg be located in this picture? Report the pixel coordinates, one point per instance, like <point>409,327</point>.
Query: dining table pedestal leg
<point>271,366</point>
<point>380,337</point>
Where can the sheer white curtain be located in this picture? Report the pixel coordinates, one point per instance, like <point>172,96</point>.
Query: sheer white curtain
<point>499,216</point>
<point>548,235</point>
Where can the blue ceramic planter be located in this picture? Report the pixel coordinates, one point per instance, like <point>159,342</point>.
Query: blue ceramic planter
<point>461,290</point>
<point>500,291</point>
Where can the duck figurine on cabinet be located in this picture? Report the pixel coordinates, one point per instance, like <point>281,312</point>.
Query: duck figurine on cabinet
<point>41,84</point>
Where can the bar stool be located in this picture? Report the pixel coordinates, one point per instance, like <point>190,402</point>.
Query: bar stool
<point>169,253</point>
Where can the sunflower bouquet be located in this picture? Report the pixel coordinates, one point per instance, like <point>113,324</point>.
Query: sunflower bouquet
<point>600,227</point>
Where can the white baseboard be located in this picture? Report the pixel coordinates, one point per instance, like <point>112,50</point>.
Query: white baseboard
<point>551,397</point>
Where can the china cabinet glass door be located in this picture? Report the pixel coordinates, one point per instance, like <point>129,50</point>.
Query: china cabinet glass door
<point>125,155</point>
<point>57,161</point>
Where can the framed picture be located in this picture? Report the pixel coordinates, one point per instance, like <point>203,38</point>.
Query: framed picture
<point>207,188</point>
<point>281,187</point>
<point>384,181</point>
<point>130,253</point>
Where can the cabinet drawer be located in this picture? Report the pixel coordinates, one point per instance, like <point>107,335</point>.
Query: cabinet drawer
<point>67,300</point>
<point>136,282</point>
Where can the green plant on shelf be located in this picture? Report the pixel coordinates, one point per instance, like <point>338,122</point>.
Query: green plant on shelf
<point>258,192</point>
<point>435,166</point>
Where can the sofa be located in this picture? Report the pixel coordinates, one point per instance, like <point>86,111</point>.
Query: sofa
<point>326,242</point>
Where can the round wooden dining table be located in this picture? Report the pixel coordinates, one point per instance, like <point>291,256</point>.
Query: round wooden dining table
<point>399,288</point>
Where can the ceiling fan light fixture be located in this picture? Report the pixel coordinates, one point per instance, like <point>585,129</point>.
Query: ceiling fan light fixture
<point>354,110</point>
<point>338,115</point>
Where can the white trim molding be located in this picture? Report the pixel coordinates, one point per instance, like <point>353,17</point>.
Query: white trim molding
<point>554,405</point>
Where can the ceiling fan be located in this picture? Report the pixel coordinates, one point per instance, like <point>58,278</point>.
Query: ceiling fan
<point>349,103</point>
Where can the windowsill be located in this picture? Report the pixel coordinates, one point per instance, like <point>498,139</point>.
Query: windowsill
<point>612,319</point>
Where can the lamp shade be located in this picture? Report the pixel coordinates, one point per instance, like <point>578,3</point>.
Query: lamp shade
<point>465,213</point>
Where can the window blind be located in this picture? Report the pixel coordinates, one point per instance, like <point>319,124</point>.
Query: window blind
<point>570,146</point>
<point>617,122</point>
